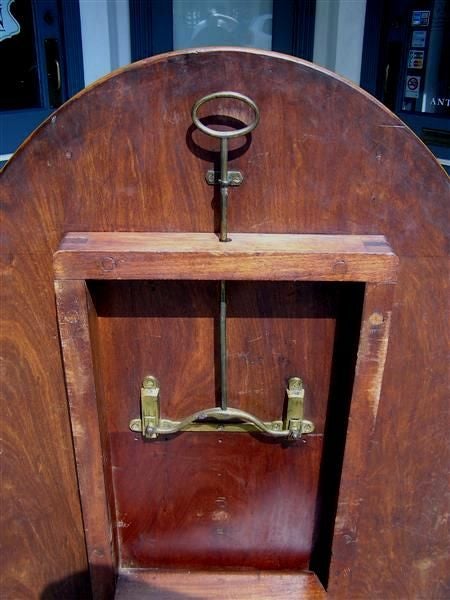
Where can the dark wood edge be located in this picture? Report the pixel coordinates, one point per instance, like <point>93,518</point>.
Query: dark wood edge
<point>366,394</point>
<point>145,63</point>
<point>73,321</point>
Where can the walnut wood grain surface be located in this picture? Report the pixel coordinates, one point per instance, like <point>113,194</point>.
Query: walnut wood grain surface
<point>245,256</point>
<point>166,585</point>
<point>325,159</point>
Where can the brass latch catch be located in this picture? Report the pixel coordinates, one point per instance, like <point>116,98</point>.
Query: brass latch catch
<point>150,425</point>
<point>149,422</point>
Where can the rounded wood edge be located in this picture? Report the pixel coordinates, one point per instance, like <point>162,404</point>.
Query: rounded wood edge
<point>178,54</point>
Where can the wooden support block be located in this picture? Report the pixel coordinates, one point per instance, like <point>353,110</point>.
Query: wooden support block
<point>274,257</point>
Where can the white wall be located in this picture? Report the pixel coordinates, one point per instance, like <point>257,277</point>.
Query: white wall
<point>105,34</point>
<point>338,36</point>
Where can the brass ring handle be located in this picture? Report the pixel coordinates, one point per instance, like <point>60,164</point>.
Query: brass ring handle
<point>225,134</point>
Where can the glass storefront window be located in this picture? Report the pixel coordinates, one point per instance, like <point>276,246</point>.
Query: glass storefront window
<point>222,23</point>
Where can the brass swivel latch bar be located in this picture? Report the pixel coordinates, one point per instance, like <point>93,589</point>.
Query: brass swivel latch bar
<point>226,179</point>
<point>223,347</point>
<point>223,418</point>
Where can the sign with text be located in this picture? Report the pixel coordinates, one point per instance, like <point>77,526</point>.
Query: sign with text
<point>419,37</point>
<point>412,87</point>
<point>420,18</point>
<point>415,59</point>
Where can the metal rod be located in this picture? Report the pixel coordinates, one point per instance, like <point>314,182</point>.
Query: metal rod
<point>223,347</point>
<point>223,189</point>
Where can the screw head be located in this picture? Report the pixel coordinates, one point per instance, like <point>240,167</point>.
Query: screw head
<point>150,382</point>
<point>295,383</point>
<point>150,431</point>
<point>376,319</point>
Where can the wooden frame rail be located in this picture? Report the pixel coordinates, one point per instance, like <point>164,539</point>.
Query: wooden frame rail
<point>275,257</point>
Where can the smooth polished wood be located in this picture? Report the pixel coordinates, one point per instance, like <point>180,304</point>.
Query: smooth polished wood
<point>166,585</point>
<point>326,158</point>
<point>246,256</point>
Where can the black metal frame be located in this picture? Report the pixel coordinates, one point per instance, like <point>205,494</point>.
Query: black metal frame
<point>73,47</point>
<point>372,45</point>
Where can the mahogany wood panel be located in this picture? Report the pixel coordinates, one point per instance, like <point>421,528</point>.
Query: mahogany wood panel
<point>169,329</point>
<point>326,158</point>
<point>166,585</point>
<point>245,256</point>
<point>42,537</point>
<point>205,501</point>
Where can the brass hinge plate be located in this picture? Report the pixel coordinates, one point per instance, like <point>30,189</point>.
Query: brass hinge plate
<point>234,178</point>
